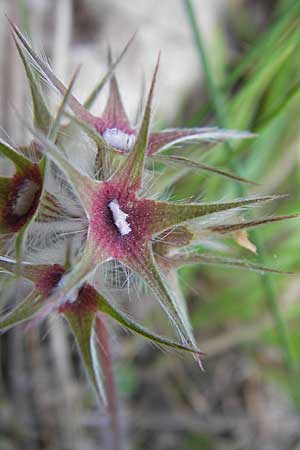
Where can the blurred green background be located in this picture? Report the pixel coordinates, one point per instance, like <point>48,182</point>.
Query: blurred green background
<point>235,64</point>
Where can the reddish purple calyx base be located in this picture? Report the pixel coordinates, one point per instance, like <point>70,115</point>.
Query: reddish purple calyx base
<point>85,302</point>
<point>49,279</point>
<point>120,239</point>
<point>24,198</point>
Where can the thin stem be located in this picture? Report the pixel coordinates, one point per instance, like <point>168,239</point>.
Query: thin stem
<point>218,100</point>
<point>110,384</point>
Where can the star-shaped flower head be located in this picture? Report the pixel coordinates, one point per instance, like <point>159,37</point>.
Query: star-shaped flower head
<point>123,224</point>
<point>113,130</point>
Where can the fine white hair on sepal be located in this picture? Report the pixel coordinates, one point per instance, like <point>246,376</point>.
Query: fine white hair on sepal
<point>207,134</point>
<point>73,140</point>
<point>39,50</point>
<point>119,138</point>
<point>6,138</point>
<point>46,242</point>
<point>59,187</point>
<point>149,188</point>
<point>120,218</point>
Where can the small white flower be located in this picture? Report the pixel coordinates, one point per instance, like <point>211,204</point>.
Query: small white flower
<point>119,139</point>
<point>119,218</point>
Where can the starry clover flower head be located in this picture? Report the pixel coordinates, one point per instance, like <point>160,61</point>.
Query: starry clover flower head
<point>83,202</point>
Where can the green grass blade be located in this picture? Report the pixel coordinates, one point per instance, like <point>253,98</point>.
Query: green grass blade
<point>267,284</point>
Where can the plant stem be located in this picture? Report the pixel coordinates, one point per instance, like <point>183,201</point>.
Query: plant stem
<point>218,101</point>
<point>109,380</point>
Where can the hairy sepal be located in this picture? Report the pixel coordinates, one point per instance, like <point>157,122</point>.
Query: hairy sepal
<point>143,263</point>
<point>81,316</point>
<point>41,115</point>
<point>247,224</point>
<point>167,215</point>
<point>124,320</point>
<point>112,66</point>
<point>178,161</point>
<point>55,123</point>
<point>49,76</point>
<point>130,174</point>
<point>163,140</point>
<point>194,258</point>
<point>114,113</point>
<point>23,312</point>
